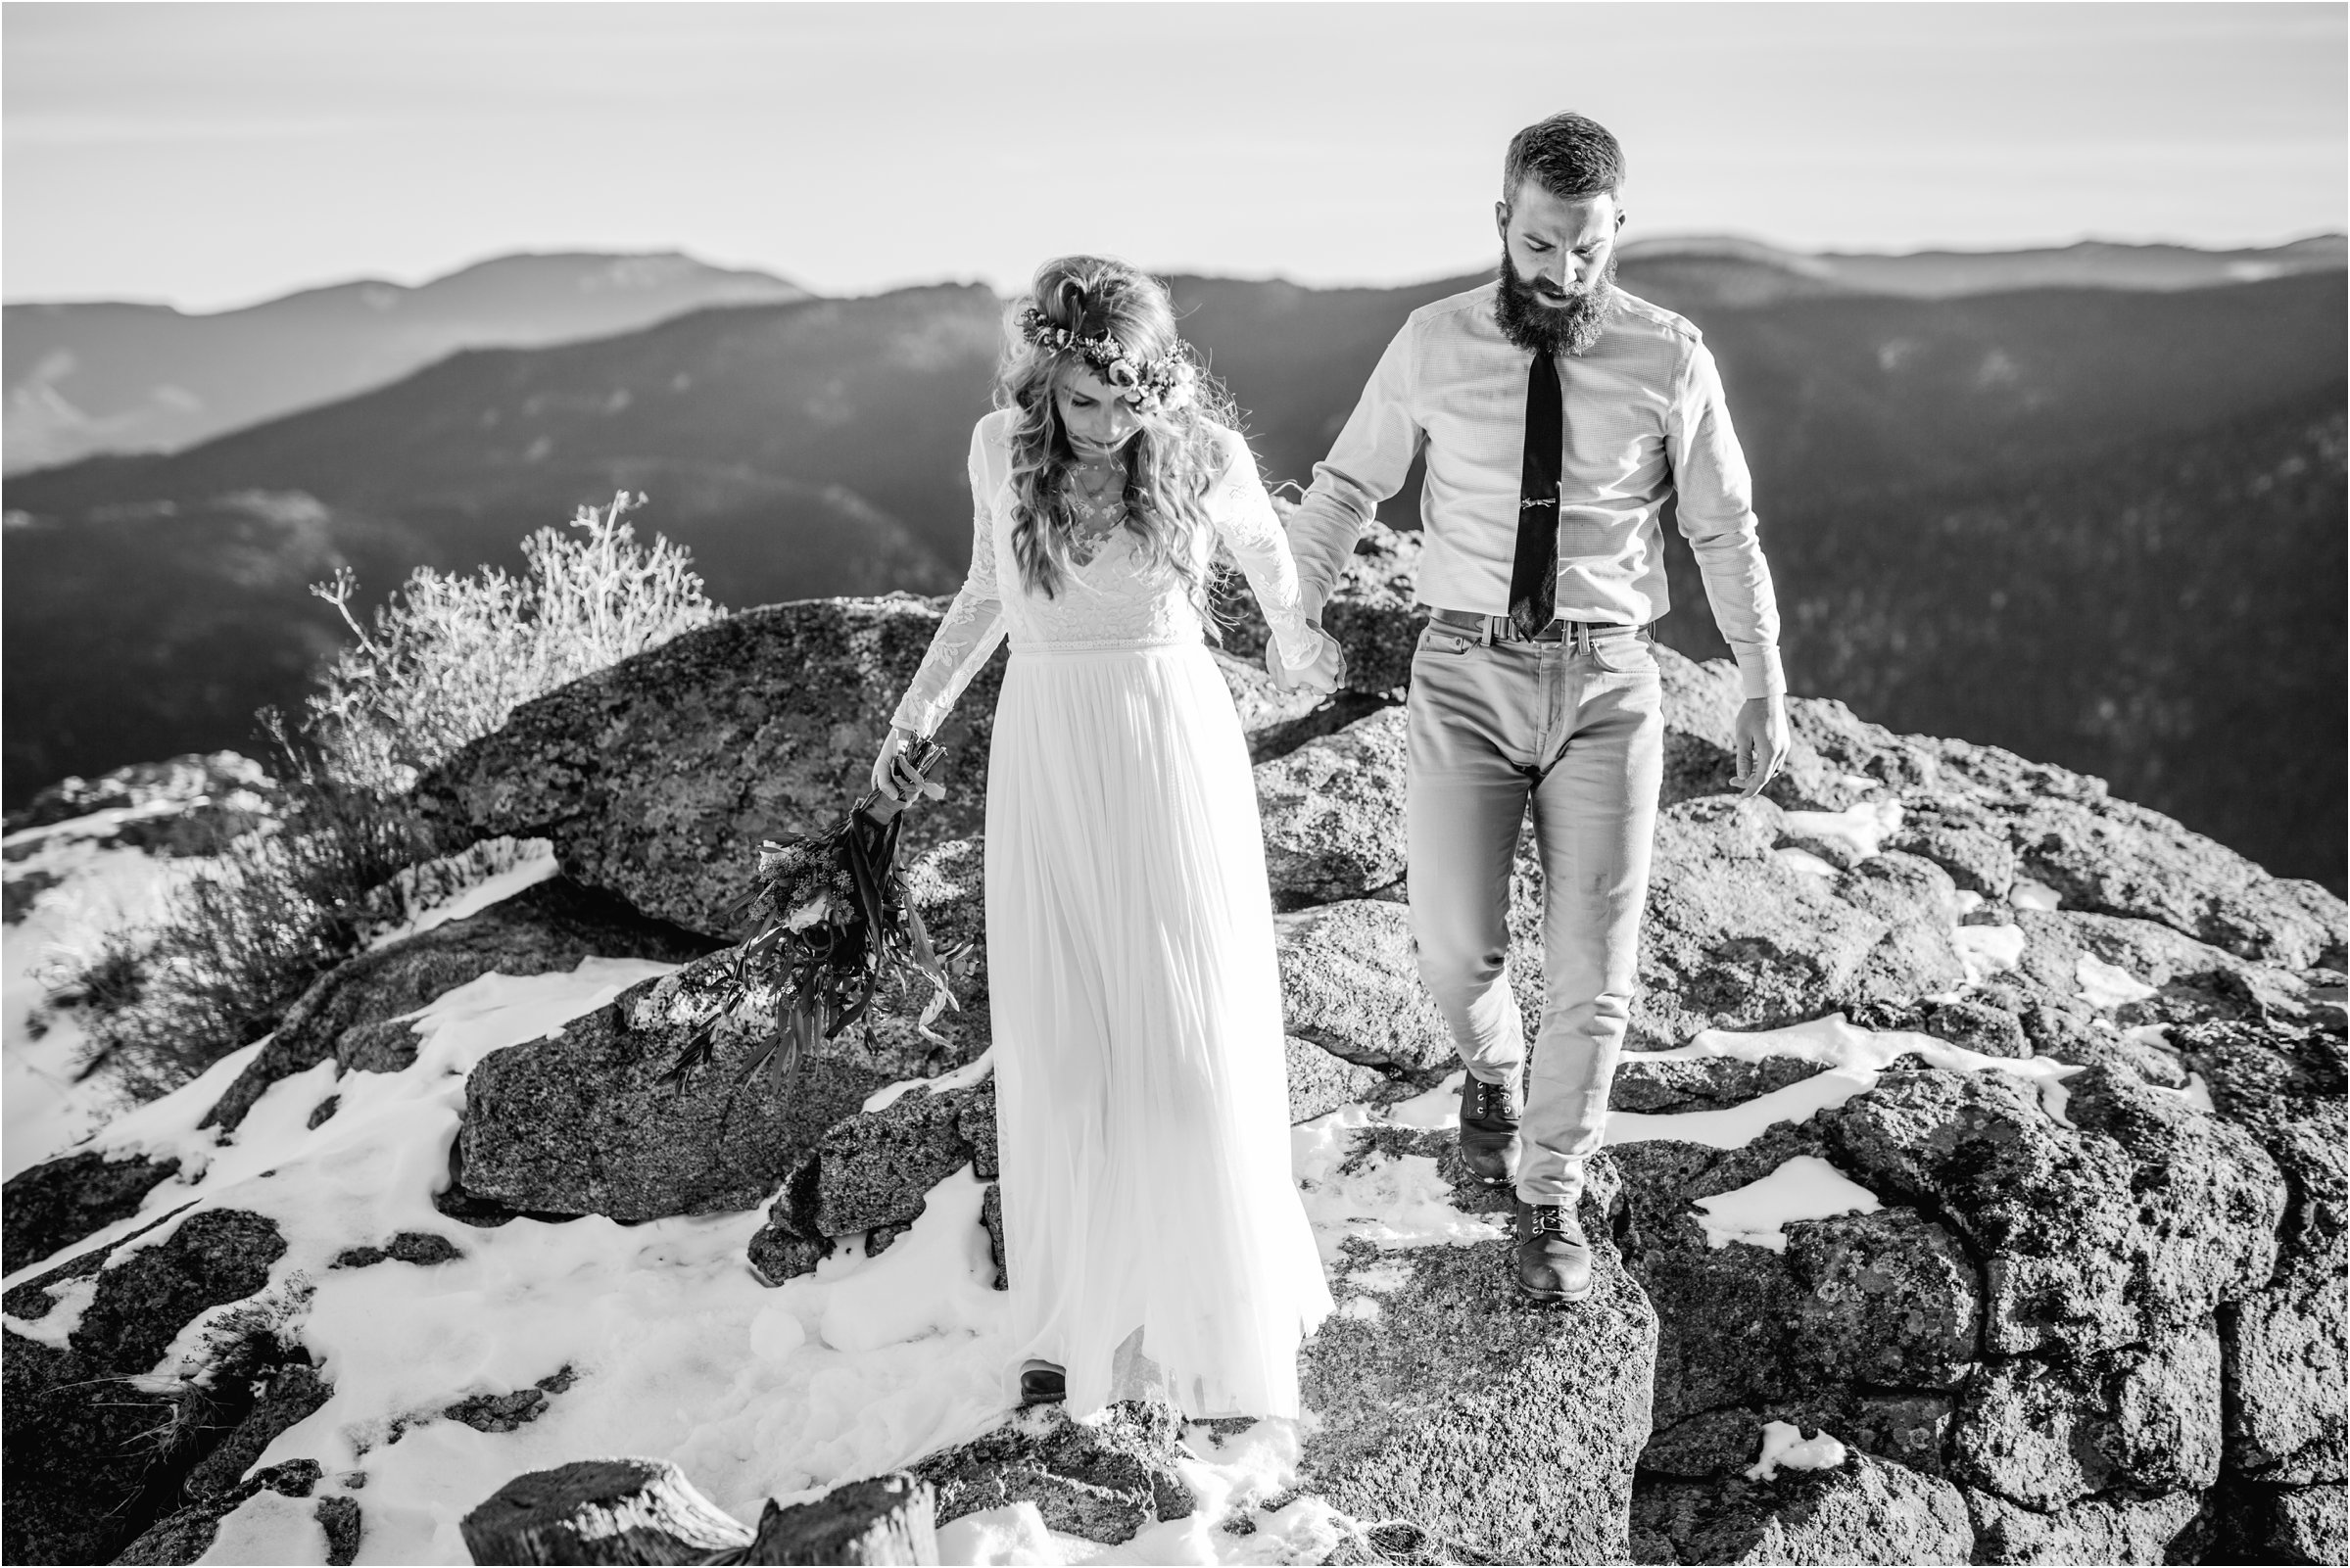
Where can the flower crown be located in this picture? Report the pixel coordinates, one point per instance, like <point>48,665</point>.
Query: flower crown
<point>1159,384</point>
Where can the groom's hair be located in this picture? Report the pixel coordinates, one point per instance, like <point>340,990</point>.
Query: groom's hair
<point>1567,155</point>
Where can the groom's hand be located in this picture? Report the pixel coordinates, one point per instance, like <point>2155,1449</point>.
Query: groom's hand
<point>1323,675</point>
<point>1761,744</point>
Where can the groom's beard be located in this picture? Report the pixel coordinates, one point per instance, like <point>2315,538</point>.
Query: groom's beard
<point>1570,328</point>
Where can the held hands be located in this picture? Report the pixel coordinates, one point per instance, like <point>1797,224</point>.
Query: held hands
<point>893,771</point>
<point>1324,674</point>
<point>1761,744</point>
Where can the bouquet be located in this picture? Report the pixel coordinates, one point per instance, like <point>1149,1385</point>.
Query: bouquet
<point>835,923</point>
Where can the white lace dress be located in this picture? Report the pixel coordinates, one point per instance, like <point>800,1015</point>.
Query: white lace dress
<point>1155,1244</point>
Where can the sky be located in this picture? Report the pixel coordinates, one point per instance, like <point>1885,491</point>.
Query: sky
<point>210,155</point>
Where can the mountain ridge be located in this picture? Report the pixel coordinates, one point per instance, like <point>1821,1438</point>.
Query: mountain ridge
<point>815,448</point>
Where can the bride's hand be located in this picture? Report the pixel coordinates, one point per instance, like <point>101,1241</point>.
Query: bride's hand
<point>892,773</point>
<point>1324,674</point>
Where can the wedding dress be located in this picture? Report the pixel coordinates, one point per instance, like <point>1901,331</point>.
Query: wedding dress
<point>1155,1245</point>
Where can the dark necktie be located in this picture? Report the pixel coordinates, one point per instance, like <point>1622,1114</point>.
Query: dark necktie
<point>1534,573</point>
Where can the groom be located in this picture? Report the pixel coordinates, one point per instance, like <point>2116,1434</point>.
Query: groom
<point>1557,416</point>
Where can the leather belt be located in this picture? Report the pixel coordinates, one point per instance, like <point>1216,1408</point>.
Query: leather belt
<point>1501,629</point>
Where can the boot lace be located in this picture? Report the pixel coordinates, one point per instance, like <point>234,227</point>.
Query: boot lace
<point>1548,1218</point>
<point>1490,1102</point>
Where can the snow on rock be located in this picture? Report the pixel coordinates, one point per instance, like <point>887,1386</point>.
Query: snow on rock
<point>2030,894</point>
<point>1854,1059</point>
<point>455,886</point>
<point>1436,1110</point>
<point>936,1278</point>
<point>969,1074</point>
<point>1805,861</point>
<point>1367,1194</point>
<point>1861,827</point>
<point>1805,1187</point>
<point>2109,986</point>
<point>1988,950</point>
<point>1784,1443</point>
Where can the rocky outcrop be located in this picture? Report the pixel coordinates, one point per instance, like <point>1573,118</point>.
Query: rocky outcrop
<point>2098,1318</point>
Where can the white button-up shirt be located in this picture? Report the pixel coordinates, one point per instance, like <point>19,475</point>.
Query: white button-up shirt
<point>1645,421</point>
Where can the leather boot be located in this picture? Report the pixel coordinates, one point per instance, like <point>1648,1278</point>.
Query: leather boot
<point>1042,1383</point>
<point>1489,1115</point>
<point>1551,1260</point>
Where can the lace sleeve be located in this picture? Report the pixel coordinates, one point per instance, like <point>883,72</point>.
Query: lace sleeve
<point>1248,526</point>
<point>975,622</point>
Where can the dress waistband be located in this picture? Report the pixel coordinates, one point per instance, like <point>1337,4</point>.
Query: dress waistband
<point>1030,650</point>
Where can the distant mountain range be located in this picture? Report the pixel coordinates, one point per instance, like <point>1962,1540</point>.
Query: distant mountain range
<point>2116,460</point>
<point>86,378</point>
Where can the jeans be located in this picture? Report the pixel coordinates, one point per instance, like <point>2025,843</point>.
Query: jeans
<point>1575,731</point>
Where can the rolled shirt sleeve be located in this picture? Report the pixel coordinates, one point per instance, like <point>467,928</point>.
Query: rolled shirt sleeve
<point>1716,510</point>
<point>1367,464</point>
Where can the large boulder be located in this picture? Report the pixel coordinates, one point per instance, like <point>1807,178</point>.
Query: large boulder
<point>347,1013</point>
<point>2139,1221</point>
<point>589,1121</point>
<point>1496,1426</point>
<point>658,777</point>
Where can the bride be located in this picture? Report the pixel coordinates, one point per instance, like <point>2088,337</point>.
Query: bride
<point>1154,1243</point>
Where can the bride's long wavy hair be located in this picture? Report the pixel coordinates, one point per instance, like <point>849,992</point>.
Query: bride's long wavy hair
<point>1170,462</point>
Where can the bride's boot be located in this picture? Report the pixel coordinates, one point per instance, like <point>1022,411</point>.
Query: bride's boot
<point>1042,1383</point>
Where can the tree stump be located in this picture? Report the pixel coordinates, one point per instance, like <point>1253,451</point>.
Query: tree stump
<point>888,1519</point>
<point>607,1511</point>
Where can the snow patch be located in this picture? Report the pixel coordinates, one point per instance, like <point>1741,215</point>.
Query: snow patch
<point>66,1302</point>
<point>1784,1443</point>
<point>2030,894</point>
<point>2109,986</point>
<point>270,1528</point>
<point>936,1278</point>
<point>967,1075</point>
<point>1863,827</point>
<point>489,873</point>
<point>1805,861</point>
<point>1436,1110</point>
<point>1854,1059</point>
<point>1805,1187</point>
<point>1392,1201</point>
<point>1988,950</point>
